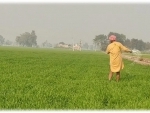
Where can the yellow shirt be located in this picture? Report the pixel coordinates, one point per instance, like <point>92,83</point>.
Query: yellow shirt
<point>114,50</point>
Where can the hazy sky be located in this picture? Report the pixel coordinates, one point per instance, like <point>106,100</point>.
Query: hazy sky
<point>65,22</point>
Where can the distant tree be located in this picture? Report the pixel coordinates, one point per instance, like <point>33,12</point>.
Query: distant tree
<point>91,47</point>
<point>1,40</point>
<point>134,43</point>
<point>100,41</point>
<point>33,38</point>
<point>46,44</point>
<point>85,46</point>
<point>18,40</point>
<point>141,45</point>
<point>147,46</point>
<point>128,43</point>
<point>8,42</point>
<point>27,39</point>
<point>138,44</point>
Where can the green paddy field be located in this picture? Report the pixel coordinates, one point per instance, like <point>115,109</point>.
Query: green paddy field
<point>57,79</point>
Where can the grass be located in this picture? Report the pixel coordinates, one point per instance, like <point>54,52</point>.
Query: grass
<point>55,79</point>
<point>146,55</point>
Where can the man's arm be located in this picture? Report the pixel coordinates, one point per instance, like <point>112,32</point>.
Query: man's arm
<point>107,50</point>
<point>123,48</point>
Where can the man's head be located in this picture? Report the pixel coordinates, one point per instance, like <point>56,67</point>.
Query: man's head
<point>112,38</point>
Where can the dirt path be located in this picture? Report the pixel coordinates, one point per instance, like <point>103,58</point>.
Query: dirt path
<point>136,59</point>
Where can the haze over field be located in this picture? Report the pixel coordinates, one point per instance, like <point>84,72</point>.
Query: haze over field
<point>65,22</point>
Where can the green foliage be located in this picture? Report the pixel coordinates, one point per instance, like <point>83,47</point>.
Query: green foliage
<point>100,41</point>
<point>62,79</point>
<point>46,44</point>
<point>138,44</point>
<point>85,46</point>
<point>8,42</point>
<point>27,39</point>
<point>1,40</point>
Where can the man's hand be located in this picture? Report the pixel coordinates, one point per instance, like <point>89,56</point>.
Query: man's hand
<point>131,51</point>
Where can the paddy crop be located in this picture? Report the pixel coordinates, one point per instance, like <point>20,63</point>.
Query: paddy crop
<point>55,79</point>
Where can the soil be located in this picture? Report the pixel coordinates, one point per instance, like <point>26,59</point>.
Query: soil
<point>136,59</point>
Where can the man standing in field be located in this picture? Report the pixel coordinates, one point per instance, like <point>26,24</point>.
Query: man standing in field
<point>114,49</point>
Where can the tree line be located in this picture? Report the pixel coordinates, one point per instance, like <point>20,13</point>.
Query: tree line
<point>25,39</point>
<point>2,41</point>
<point>101,41</point>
